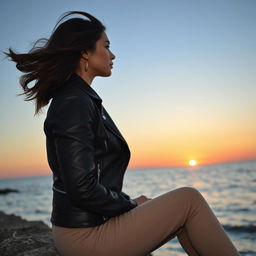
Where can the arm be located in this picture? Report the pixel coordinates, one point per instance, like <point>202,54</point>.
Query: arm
<point>73,125</point>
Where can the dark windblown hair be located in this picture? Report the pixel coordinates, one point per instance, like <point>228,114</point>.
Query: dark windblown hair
<point>52,63</point>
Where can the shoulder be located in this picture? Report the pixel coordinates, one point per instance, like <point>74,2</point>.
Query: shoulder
<point>71,93</point>
<point>71,105</point>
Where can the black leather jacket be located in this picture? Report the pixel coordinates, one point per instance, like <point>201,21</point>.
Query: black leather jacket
<point>88,157</point>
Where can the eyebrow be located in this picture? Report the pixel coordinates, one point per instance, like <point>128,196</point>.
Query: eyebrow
<point>107,41</point>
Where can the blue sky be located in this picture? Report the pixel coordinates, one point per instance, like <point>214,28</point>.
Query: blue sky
<point>184,70</point>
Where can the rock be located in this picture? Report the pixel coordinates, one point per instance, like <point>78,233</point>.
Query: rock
<point>7,190</point>
<point>19,237</point>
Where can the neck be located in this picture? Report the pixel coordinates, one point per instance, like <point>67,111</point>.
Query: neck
<point>85,76</point>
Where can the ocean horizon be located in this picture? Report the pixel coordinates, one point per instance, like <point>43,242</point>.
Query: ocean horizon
<point>229,188</point>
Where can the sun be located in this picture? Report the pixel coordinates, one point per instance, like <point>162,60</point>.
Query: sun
<point>192,162</point>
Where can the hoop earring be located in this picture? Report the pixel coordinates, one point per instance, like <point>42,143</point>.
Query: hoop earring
<point>86,66</point>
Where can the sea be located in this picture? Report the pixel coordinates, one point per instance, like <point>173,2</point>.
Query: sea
<point>229,188</point>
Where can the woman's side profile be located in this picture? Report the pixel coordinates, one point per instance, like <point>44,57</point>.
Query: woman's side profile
<point>88,156</point>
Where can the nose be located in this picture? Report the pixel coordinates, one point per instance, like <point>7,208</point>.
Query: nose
<point>112,56</point>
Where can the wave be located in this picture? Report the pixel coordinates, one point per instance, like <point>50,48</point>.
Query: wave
<point>41,211</point>
<point>243,229</point>
<point>248,252</point>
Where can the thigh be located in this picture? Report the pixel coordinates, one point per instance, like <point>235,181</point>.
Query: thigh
<point>136,232</point>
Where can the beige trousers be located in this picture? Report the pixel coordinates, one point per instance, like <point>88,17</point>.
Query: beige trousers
<point>182,212</point>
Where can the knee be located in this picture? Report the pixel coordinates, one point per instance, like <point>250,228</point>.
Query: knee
<point>190,192</point>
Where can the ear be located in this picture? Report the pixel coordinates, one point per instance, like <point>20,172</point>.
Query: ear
<point>84,54</point>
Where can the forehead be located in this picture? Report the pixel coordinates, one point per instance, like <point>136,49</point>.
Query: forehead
<point>104,38</point>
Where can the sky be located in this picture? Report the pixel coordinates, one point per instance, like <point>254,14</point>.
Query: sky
<point>183,84</point>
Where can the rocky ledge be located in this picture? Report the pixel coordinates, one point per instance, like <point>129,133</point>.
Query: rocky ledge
<point>19,237</point>
<point>7,191</point>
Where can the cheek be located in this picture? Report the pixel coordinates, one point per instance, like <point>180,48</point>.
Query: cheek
<point>103,58</point>
<point>106,55</point>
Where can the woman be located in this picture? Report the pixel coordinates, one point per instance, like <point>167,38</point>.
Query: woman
<point>91,215</point>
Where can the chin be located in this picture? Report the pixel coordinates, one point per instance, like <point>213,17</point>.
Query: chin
<point>106,74</point>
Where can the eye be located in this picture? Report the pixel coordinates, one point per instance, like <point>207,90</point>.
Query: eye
<point>107,46</point>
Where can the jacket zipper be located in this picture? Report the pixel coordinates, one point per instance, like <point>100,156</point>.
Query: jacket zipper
<point>98,171</point>
<point>58,190</point>
<point>106,145</point>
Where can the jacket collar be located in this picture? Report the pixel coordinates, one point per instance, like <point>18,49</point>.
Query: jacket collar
<point>79,82</point>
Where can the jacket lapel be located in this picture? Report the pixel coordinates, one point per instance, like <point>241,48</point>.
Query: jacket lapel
<point>109,123</point>
<point>107,120</point>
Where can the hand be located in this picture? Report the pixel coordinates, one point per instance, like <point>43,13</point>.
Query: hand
<point>141,199</point>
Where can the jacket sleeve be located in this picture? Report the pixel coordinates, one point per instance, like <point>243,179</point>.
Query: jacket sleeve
<point>72,120</point>
<point>125,195</point>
